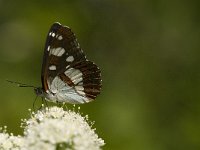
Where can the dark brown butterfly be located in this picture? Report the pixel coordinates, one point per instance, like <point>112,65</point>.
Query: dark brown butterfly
<point>67,76</point>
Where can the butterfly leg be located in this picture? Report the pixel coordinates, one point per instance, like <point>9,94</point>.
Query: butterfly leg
<point>34,103</point>
<point>46,103</point>
<point>41,104</point>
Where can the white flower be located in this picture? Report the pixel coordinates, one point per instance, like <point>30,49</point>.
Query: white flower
<point>53,128</point>
<point>10,142</point>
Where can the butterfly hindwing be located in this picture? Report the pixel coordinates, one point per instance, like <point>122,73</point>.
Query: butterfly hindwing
<point>67,75</point>
<point>91,78</point>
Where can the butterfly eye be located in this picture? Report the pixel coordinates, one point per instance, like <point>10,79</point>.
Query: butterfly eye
<point>38,91</point>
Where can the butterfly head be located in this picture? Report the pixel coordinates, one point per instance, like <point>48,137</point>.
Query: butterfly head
<point>39,91</point>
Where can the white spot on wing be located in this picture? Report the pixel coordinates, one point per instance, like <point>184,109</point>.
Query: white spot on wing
<point>48,48</point>
<point>57,51</point>
<point>61,52</point>
<point>52,67</point>
<point>77,80</point>
<point>70,59</point>
<point>81,92</point>
<point>78,45</point>
<point>58,23</point>
<point>67,66</point>
<point>53,34</point>
<point>79,88</point>
<point>60,37</point>
<point>71,72</point>
<point>74,74</point>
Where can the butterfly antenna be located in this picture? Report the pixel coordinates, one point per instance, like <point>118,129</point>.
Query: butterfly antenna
<point>21,84</point>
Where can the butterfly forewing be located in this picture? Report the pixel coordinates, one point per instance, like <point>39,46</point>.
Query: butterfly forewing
<point>67,76</point>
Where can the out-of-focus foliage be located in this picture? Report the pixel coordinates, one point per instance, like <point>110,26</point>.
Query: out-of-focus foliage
<point>149,54</point>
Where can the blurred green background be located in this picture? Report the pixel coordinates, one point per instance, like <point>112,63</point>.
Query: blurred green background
<point>149,54</point>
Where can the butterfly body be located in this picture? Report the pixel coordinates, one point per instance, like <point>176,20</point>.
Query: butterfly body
<point>67,76</point>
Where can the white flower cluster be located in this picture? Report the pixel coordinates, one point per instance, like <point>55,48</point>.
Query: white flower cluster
<point>8,142</point>
<point>54,129</point>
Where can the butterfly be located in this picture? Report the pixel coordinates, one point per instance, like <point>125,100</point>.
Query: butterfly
<point>67,75</point>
